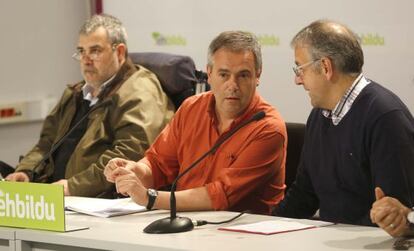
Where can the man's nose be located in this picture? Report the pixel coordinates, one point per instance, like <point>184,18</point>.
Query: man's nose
<point>298,80</point>
<point>232,83</point>
<point>86,60</point>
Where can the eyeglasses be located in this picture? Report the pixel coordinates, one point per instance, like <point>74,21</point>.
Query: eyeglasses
<point>95,54</point>
<point>298,69</point>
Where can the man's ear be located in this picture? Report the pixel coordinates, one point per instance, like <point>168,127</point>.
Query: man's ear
<point>209,70</point>
<point>327,68</point>
<point>258,74</point>
<point>120,50</point>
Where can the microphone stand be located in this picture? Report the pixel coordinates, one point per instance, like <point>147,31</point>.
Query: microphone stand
<point>174,224</point>
<point>62,139</point>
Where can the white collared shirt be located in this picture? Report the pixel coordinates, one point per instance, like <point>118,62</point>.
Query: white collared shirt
<point>88,89</point>
<point>344,105</point>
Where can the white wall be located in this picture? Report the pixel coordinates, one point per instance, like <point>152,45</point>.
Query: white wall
<point>197,22</point>
<point>37,41</point>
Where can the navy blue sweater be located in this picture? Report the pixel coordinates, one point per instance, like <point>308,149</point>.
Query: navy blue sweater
<point>341,165</point>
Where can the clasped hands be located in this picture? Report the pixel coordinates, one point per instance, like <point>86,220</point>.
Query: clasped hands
<point>389,214</point>
<point>125,174</point>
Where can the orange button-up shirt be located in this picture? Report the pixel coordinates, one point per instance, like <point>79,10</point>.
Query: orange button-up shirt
<point>247,172</point>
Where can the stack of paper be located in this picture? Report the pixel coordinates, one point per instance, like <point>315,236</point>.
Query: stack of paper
<point>102,207</point>
<point>281,225</point>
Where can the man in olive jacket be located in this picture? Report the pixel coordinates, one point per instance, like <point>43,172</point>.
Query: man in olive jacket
<point>117,111</point>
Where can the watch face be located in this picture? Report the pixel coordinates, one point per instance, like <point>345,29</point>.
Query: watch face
<point>410,217</point>
<point>152,192</point>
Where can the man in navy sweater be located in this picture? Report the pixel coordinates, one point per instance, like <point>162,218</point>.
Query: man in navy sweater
<point>359,135</point>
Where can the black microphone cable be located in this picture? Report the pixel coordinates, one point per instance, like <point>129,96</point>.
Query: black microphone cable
<point>198,223</point>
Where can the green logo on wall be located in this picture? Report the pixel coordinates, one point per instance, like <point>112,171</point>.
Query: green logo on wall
<point>164,40</point>
<point>371,39</point>
<point>268,40</point>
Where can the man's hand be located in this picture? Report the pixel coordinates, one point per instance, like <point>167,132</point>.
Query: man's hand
<point>65,186</point>
<point>389,214</point>
<point>141,170</point>
<point>127,183</point>
<point>18,176</point>
<point>111,169</point>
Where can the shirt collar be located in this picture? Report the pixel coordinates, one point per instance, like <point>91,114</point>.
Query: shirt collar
<point>87,90</point>
<point>344,105</point>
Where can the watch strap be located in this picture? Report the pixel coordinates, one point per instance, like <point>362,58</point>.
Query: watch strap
<point>152,195</point>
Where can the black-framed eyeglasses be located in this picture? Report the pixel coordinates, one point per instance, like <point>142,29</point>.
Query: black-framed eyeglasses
<point>297,69</point>
<point>95,54</point>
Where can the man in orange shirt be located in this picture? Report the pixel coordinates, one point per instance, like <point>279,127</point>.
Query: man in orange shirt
<point>246,172</point>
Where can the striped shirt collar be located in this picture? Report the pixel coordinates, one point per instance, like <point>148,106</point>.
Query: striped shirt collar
<point>344,105</point>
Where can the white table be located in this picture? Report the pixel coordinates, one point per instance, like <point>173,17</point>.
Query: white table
<point>7,239</point>
<point>126,233</point>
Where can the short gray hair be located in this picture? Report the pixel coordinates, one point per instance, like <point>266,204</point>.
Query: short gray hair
<point>113,26</point>
<point>325,38</point>
<point>236,41</point>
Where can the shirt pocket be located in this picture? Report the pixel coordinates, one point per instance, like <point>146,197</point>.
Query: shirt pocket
<point>225,159</point>
<point>219,166</point>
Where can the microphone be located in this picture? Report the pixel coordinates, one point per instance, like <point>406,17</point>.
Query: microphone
<point>174,224</point>
<point>62,139</point>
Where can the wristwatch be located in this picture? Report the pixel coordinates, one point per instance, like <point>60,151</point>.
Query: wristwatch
<point>152,195</point>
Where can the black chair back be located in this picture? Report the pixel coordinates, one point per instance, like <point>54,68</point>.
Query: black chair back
<point>177,74</point>
<point>296,135</point>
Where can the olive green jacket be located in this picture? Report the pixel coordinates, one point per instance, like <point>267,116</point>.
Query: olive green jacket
<point>124,128</point>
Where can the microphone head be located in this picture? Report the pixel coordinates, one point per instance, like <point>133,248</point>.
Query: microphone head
<point>259,115</point>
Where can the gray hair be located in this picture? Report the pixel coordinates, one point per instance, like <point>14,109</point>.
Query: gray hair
<point>115,30</point>
<point>236,41</point>
<point>326,38</point>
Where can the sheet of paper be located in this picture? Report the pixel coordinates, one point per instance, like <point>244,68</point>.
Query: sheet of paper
<point>102,207</point>
<point>282,225</point>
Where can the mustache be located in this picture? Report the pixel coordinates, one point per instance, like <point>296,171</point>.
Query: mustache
<point>232,95</point>
<point>89,70</point>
